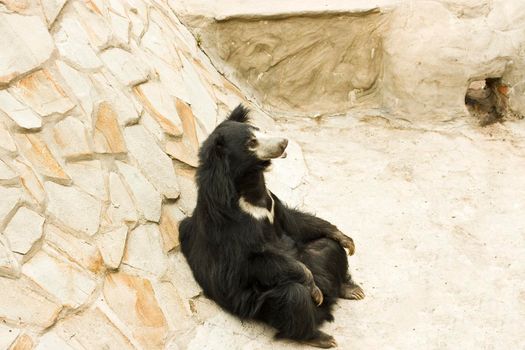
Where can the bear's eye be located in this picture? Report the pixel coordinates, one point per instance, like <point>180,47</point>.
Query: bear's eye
<point>252,143</point>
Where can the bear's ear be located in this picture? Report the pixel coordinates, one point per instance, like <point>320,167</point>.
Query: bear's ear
<point>239,114</point>
<point>214,179</point>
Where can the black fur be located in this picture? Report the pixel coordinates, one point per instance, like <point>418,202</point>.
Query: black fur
<point>253,268</point>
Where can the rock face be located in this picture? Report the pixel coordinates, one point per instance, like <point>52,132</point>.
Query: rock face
<point>326,57</point>
<point>103,105</point>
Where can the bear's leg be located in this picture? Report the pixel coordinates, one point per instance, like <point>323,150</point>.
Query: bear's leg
<point>351,290</point>
<point>328,263</point>
<point>290,309</point>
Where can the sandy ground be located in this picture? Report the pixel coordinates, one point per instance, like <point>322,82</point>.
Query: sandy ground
<point>437,212</point>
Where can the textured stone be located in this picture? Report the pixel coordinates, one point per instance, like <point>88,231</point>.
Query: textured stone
<point>80,85</point>
<point>75,249</point>
<point>180,272</point>
<point>9,266</point>
<point>161,105</point>
<point>144,250</point>
<point>23,116</point>
<point>22,304</point>
<point>111,245</point>
<point>93,17</point>
<point>175,308</point>
<point>63,280</point>
<point>169,226</point>
<point>127,69</point>
<point>202,102</point>
<point>188,190</point>
<point>51,9</point>
<point>89,176</point>
<point>92,329</point>
<point>23,342</point>
<point>120,28</point>
<point>121,209</point>
<point>51,341</point>
<point>70,136</point>
<point>145,318</point>
<point>120,103</point>
<point>107,134</point>
<point>24,229</point>
<point>26,45</point>
<point>7,175</point>
<point>7,336</point>
<point>11,198</point>
<point>188,123</point>
<point>30,181</point>
<point>42,93</point>
<point>36,151</point>
<point>73,43</point>
<point>146,197</point>
<point>6,141</point>
<point>154,163</point>
<point>181,151</point>
<point>74,208</point>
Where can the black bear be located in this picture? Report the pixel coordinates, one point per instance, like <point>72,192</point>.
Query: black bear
<point>255,257</point>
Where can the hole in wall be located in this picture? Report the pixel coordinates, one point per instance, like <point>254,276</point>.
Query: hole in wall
<point>487,100</point>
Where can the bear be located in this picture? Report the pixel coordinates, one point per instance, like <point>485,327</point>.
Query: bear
<point>255,257</point>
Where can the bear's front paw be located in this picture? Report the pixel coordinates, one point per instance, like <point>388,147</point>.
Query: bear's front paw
<point>346,242</point>
<point>317,295</point>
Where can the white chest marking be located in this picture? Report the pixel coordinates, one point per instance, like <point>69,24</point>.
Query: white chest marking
<point>256,211</point>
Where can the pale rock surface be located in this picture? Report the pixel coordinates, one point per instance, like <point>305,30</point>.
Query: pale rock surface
<point>51,341</point>
<point>292,57</point>
<point>107,135</point>
<point>42,93</point>
<point>6,141</point>
<point>123,106</point>
<point>23,49</point>
<point>68,283</point>
<point>7,175</point>
<point>11,198</point>
<point>30,181</point>
<point>169,226</point>
<point>52,9</point>
<point>92,329</point>
<point>111,245</point>
<point>24,304</point>
<point>73,43</point>
<point>202,101</point>
<point>35,150</point>
<point>146,320</point>
<point>22,115</point>
<point>79,84</point>
<point>161,105</point>
<point>70,136</point>
<point>23,342</point>
<point>93,18</point>
<point>77,250</point>
<point>121,209</point>
<point>24,229</point>
<point>127,69</point>
<point>74,208</point>
<point>146,197</point>
<point>144,250</point>
<point>9,265</point>
<point>153,162</point>
<point>90,177</point>
<point>7,336</point>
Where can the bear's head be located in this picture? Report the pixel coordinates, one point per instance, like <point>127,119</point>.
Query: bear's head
<point>234,152</point>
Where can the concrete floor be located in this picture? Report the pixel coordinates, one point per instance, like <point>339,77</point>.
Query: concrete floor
<point>437,212</point>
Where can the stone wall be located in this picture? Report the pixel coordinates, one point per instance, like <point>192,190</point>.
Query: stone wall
<point>415,59</point>
<point>102,108</point>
